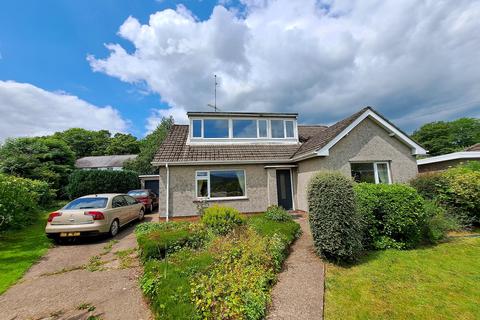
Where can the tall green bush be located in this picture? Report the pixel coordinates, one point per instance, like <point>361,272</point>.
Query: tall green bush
<point>457,189</point>
<point>334,223</point>
<point>20,199</point>
<point>393,216</point>
<point>83,182</point>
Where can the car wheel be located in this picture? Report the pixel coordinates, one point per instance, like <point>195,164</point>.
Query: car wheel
<point>114,227</point>
<point>141,215</point>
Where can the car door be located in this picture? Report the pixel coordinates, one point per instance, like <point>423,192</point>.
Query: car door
<point>120,209</point>
<point>133,207</point>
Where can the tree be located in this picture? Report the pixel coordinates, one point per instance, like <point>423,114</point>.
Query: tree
<point>148,147</point>
<point>84,142</point>
<point>445,137</point>
<point>40,158</point>
<point>122,143</point>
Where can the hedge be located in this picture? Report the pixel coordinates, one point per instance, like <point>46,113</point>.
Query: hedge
<point>20,198</point>
<point>457,189</point>
<point>83,182</point>
<point>222,220</point>
<point>335,226</point>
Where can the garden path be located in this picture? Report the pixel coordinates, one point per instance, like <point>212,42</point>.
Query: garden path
<point>299,291</point>
<point>91,277</point>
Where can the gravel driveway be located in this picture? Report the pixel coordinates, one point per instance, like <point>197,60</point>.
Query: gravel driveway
<point>92,277</point>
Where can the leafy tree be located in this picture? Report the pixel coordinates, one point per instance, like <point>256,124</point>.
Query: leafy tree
<point>84,142</point>
<point>122,143</point>
<point>40,158</point>
<point>148,147</point>
<point>442,137</point>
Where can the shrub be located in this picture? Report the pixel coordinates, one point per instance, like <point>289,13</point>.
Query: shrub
<point>439,222</point>
<point>83,182</point>
<point>429,184</point>
<point>393,216</point>
<point>277,213</point>
<point>222,220</point>
<point>462,195</point>
<point>155,240</point>
<point>20,199</point>
<point>334,223</point>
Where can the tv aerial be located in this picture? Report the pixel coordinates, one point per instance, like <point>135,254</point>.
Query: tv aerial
<point>214,105</point>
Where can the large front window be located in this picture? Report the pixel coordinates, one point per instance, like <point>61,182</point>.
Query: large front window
<point>216,184</point>
<point>371,172</point>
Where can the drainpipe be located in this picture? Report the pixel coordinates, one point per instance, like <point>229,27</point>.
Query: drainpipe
<point>167,192</point>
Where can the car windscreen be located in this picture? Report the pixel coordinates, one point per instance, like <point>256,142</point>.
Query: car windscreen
<point>139,193</point>
<point>87,203</point>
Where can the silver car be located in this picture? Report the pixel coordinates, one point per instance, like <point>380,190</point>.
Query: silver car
<point>94,214</point>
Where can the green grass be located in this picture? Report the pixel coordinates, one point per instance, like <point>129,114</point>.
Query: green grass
<point>266,227</point>
<point>19,249</point>
<point>438,282</point>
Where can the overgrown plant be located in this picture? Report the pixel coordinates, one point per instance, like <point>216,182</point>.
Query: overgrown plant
<point>222,220</point>
<point>277,213</point>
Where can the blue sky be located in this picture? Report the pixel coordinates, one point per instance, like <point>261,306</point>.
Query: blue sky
<point>414,61</point>
<point>45,43</point>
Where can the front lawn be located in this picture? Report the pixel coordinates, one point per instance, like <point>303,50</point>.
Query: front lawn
<point>438,282</point>
<point>19,249</point>
<point>190,272</point>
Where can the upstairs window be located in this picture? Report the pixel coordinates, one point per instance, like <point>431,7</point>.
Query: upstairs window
<point>214,128</point>
<point>262,129</point>
<point>371,172</point>
<point>244,128</point>
<point>197,128</point>
<point>277,129</point>
<point>289,129</point>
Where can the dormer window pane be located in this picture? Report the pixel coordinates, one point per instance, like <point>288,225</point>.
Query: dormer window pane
<point>244,128</point>
<point>262,128</point>
<point>289,129</point>
<point>213,128</point>
<point>277,129</point>
<point>197,128</point>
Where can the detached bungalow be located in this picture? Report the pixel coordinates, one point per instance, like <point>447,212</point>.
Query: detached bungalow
<point>253,160</point>
<point>449,160</point>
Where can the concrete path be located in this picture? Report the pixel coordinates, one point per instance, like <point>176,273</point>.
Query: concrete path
<point>298,293</point>
<point>92,277</point>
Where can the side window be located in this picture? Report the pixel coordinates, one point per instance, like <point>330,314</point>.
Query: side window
<point>118,202</point>
<point>130,200</point>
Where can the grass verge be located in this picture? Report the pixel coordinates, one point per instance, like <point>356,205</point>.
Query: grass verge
<point>19,249</point>
<point>440,282</point>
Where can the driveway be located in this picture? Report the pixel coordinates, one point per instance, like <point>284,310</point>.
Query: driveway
<point>91,277</point>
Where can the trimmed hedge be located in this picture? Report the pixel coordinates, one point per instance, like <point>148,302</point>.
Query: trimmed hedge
<point>393,216</point>
<point>20,198</point>
<point>83,182</point>
<point>335,226</point>
<point>457,189</point>
<point>222,220</point>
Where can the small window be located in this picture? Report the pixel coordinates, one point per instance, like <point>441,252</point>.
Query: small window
<point>130,200</point>
<point>213,128</point>
<point>371,172</point>
<point>119,201</point>
<point>244,128</point>
<point>289,129</point>
<point>197,128</point>
<point>262,129</point>
<point>277,129</point>
<point>220,184</point>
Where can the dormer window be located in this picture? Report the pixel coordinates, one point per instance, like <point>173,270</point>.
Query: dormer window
<point>240,128</point>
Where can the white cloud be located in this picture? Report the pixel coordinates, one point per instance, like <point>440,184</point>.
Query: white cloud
<point>179,114</point>
<point>27,110</point>
<point>323,59</point>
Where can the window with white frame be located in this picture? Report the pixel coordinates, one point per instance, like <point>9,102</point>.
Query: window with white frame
<point>242,128</point>
<point>219,184</point>
<point>371,172</point>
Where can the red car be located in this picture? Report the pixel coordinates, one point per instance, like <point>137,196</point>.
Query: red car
<point>145,196</point>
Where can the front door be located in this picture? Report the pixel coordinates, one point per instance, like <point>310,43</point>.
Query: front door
<point>284,189</point>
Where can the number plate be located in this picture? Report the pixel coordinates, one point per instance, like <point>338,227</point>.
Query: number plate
<point>69,234</point>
